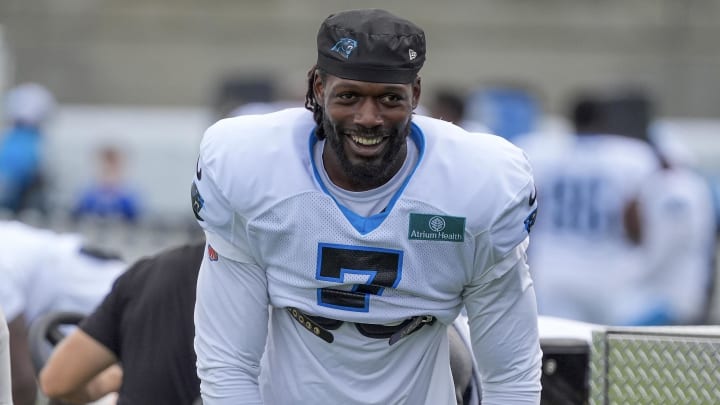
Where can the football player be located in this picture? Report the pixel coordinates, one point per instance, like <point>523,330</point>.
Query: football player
<point>365,229</point>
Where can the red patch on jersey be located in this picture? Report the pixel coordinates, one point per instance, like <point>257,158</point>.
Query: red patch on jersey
<point>212,254</point>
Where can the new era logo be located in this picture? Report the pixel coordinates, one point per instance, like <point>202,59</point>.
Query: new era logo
<point>412,54</point>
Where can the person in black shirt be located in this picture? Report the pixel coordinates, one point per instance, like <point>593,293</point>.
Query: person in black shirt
<point>138,342</point>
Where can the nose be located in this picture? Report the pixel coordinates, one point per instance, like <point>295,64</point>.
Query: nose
<point>368,114</point>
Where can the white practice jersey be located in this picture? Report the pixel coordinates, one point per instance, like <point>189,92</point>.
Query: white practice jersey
<point>43,271</point>
<point>454,233</point>
<point>676,207</point>
<point>5,382</point>
<point>582,262</point>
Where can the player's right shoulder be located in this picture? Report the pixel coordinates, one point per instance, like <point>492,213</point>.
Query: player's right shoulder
<point>252,130</point>
<point>238,154</point>
<point>248,143</point>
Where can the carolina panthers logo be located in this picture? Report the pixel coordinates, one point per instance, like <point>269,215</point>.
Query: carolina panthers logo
<point>197,201</point>
<point>344,47</point>
<point>530,220</point>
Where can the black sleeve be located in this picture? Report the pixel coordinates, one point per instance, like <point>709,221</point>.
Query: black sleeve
<point>104,324</point>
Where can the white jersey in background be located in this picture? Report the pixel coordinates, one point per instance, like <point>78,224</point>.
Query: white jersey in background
<point>43,271</point>
<point>678,218</point>
<point>5,381</point>
<point>583,265</point>
<point>278,236</point>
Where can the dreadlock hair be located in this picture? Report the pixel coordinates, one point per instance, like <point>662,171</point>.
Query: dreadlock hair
<point>310,101</point>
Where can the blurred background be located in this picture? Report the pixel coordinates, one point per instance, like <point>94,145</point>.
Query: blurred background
<point>135,83</point>
<point>105,101</point>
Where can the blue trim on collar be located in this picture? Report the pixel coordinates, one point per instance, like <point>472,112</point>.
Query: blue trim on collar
<point>365,225</point>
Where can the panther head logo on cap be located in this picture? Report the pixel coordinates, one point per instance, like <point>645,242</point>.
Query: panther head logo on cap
<point>344,47</point>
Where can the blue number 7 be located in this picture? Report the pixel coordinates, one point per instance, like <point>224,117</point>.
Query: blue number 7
<point>382,266</point>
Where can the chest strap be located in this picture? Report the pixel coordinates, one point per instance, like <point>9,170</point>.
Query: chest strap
<point>313,326</point>
<point>321,327</point>
<point>415,323</point>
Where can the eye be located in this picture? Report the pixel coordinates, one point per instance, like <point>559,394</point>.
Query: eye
<point>391,98</point>
<point>346,96</point>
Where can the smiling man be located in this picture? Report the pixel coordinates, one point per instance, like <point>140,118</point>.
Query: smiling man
<point>344,242</point>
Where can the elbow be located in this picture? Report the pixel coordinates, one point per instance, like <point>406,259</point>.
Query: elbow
<point>523,380</point>
<point>51,384</point>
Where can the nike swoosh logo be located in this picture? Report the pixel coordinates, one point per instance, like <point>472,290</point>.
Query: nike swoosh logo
<point>533,197</point>
<point>198,170</point>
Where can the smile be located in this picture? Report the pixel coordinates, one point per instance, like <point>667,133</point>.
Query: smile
<point>366,141</point>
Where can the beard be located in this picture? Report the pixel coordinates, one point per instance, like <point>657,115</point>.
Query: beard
<point>369,173</point>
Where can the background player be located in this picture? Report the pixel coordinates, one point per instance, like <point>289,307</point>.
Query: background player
<point>44,271</point>
<point>141,333</point>
<point>584,264</point>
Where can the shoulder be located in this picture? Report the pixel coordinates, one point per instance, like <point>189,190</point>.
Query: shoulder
<point>177,259</point>
<point>631,144</point>
<point>447,137</point>
<point>152,279</point>
<point>15,232</point>
<point>242,154</point>
<point>253,133</point>
<point>679,184</point>
<point>187,256</point>
<point>545,148</point>
<point>470,155</point>
<point>620,147</point>
<point>473,153</point>
<point>478,173</point>
<point>251,141</point>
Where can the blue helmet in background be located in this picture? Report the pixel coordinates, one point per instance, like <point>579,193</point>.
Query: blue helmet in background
<point>507,111</point>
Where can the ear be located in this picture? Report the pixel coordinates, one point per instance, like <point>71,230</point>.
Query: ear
<point>416,90</point>
<point>318,88</point>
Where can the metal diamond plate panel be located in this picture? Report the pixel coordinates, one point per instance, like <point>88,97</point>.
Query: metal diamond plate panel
<point>598,366</point>
<point>655,367</point>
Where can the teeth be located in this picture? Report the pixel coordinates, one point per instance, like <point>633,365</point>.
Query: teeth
<point>366,141</point>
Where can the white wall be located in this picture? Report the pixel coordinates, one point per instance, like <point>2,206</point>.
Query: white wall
<point>162,52</point>
<point>161,146</point>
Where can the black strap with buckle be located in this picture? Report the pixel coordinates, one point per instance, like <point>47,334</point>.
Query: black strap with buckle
<point>310,324</point>
<point>321,327</point>
<point>410,327</point>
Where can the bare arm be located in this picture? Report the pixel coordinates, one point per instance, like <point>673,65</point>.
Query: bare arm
<point>80,370</point>
<point>24,388</point>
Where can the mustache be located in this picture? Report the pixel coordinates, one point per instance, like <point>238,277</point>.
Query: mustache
<point>368,132</point>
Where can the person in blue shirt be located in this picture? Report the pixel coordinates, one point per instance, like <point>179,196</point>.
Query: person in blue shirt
<point>27,108</point>
<point>109,197</point>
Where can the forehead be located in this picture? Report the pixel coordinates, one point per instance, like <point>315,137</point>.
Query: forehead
<point>335,83</point>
